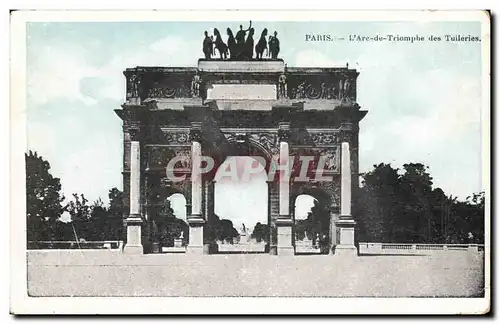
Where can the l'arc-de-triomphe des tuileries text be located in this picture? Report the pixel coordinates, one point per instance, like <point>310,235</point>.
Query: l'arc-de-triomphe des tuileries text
<point>239,107</point>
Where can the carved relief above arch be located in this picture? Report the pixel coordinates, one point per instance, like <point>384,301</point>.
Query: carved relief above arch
<point>253,144</point>
<point>159,157</point>
<point>325,138</point>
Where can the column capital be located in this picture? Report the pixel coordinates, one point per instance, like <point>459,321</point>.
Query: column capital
<point>195,132</point>
<point>284,131</point>
<point>134,132</point>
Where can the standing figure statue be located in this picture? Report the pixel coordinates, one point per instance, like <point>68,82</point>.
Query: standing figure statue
<point>240,39</point>
<point>261,44</point>
<point>207,46</point>
<point>341,89</point>
<point>347,88</point>
<point>231,44</point>
<point>274,46</point>
<point>248,50</point>
<point>135,83</point>
<point>282,86</point>
<point>195,85</point>
<point>220,45</point>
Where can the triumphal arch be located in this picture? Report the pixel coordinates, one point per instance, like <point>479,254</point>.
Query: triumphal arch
<point>173,117</point>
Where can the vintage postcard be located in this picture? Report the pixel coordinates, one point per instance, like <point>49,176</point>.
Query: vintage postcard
<point>337,164</point>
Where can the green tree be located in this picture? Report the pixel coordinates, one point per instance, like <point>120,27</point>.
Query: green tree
<point>114,227</point>
<point>43,199</point>
<point>80,213</point>
<point>228,232</point>
<point>416,222</point>
<point>378,204</point>
<point>393,207</point>
<point>260,232</point>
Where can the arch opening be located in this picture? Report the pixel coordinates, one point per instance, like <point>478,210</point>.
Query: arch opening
<point>313,224</point>
<point>241,205</point>
<point>168,228</point>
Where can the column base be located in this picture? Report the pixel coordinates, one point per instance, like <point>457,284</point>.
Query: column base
<point>134,236</point>
<point>285,251</point>
<point>345,250</point>
<point>133,249</point>
<point>198,250</point>
<point>284,229</point>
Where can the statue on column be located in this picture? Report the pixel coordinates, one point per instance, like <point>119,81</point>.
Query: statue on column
<point>195,85</point>
<point>347,89</point>
<point>261,45</point>
<point>135,81</point>
<point>282,87</point>
<point>341,89</point>
<point>274,46</point>
<point>220,45</point>
<point>243,230</point>
<point>207,46</point>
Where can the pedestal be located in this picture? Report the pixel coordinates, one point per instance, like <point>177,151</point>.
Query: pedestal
<point>346,241</point>
<point>196,246</point>
<point>177,242</point>
<point>133,245</point>
<point>285,246</point>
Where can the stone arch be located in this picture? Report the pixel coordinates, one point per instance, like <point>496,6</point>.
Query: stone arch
<point>250,147</point>
<point>159,191</point>
<point>314,190</point>
<point>325,197</point>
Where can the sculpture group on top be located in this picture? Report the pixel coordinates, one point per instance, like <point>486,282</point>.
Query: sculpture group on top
<point>241,46</point>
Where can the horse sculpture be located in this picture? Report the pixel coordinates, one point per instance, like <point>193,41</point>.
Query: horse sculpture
<point>248,49</point>
<point>231,44</point>
<point>220,45</point>
<point>261,44</point>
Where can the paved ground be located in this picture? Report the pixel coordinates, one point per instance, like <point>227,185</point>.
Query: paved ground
<point>103,273</point>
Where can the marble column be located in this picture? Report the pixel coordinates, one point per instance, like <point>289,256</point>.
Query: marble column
<point>334,216</point>
<point>345,223</point>
<point>210,242</point>
<point>134,220</point>
<point>195,219</point>
<point>284,222</point>
<point>273,210</point>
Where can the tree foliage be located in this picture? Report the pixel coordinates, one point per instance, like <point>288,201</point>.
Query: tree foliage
<point>44,208</point>
<point>220,230</point>
<point>260,232</point>
<point>404,207</point>
<point>43,199</point>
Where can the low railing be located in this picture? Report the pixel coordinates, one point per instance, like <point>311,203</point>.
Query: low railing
<point>72,245</point>
<point>402,248</point>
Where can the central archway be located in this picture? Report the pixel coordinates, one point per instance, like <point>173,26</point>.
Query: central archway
<point>241,205</point>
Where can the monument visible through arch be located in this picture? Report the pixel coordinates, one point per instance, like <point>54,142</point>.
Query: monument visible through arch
<point>175,119</point>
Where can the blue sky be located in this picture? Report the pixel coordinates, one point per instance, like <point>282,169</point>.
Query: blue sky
<point>424,100</point>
